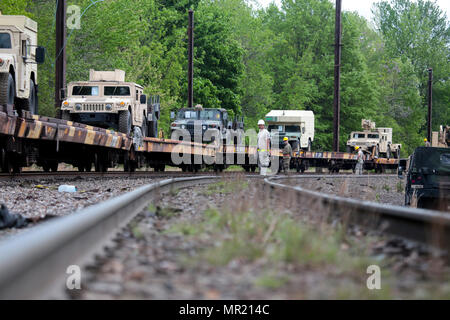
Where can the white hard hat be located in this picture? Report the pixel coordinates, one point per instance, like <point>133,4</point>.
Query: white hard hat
<point>261,122</point>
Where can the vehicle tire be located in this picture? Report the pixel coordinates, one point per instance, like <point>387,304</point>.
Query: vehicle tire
<point>162,168</point>
<point>65,115</point>
<point>88,166</point>
<point>125,122</point>
<point>7,89</point>
<point>253,168</point>
<point>30,104</point>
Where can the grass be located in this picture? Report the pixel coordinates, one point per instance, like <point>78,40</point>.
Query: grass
<point>225,187</point>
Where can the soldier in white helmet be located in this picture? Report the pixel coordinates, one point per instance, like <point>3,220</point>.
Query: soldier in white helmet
<point>263,148</point>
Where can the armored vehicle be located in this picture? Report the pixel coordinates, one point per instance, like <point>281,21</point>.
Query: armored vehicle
<point>19,55</point>
<point>441,138</point>
<point>297,125</point>
<point>107,101</point>
<point>206,125</point>
<point>427,173</point>
<point>376,141</point>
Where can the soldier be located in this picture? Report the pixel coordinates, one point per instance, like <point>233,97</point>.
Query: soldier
<point>359,161</point>
<point>427,143</point>
<point>263,148</point>
<point>287,153</point>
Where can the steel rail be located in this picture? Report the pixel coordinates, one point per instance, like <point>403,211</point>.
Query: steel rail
<point>33,265</point>
<point>428,227</point>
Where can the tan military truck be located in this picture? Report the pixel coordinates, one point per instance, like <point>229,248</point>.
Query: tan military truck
<point>19,55</point>
<point>375,141</point>
<point>441,138</point>
<point>107,101</point>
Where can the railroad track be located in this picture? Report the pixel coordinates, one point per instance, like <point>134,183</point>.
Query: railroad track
<point>34,264</point>
<point>428,227</point>
<point>32,175</point>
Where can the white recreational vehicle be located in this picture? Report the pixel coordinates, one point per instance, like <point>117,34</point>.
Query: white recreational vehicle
<point>297,125</point>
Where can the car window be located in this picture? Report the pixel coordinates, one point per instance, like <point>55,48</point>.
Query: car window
<point>117,91</point>
<point>373,136</point>
<point>5,41</point>
<point>85,91</point>
<point>209,115</point>
<point>292,129</point>
<point>445,159</point>
<point>359,135</point>
<point>274,127</point>
<point>187,114</point>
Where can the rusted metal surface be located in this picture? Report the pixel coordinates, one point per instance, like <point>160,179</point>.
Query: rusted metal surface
<point>168,146</point>
<point>326,155</point>
<point>7,124</point>
<point>50,129</point>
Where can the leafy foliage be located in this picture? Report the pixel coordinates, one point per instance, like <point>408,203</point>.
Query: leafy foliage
<point>250,61</point>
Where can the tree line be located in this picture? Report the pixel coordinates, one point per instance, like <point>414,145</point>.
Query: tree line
<point>250,60</point>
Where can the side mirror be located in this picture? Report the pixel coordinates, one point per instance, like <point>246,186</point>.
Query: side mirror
<point>62,94</point>
<point>230,124</point>
<point>40,55</point>
<point>172,115</point>
<point>143,99</point>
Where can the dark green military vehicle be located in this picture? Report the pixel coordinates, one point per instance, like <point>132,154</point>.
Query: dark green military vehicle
<point>428,178</point>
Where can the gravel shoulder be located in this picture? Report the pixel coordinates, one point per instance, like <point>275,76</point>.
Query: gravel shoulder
<point>376,188</point>
<point>40,199</point>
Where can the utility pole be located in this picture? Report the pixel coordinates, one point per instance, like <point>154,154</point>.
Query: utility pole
<point>337,77</point>
<point>191,59</point>
<point>430,102</point>
<point>60,52</point>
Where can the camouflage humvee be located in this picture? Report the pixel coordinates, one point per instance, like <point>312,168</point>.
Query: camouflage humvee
<point>19,55</point>
<point>107,101</point>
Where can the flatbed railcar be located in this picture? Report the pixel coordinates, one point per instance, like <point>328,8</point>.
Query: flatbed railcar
<point>44,141</point>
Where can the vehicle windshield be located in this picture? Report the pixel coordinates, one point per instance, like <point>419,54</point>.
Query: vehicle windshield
<point>5,41</point>
<point>432,158</point>
<point>117,91</point>
<point>373,136</point>
<point>275,127</point>
<point>209,115</point>
<point>187,114</point>
<point>359,135</point>
<point>85,91</point>
<point>292,128</point>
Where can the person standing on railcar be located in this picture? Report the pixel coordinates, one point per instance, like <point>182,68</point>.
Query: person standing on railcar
<point>359,160</point>
<point>263,148</point>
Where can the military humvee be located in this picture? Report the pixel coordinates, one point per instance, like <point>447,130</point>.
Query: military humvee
<point>19,55</point>
<point>427,178</point>
<point>107,101</point>
<point>204,125</point>
<point>377,141</point>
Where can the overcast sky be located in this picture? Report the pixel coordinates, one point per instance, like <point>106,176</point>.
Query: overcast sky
<point>363,6</point>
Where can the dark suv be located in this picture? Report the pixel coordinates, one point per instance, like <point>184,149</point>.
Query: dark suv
<point>428,178</point>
